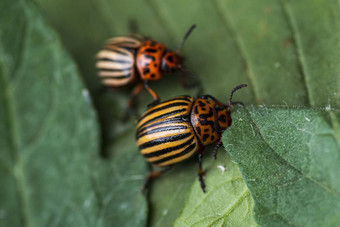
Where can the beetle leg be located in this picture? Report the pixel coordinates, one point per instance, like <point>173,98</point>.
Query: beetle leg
<point>153,94</point>
<point>136,90</point>
<point>200,170</point>
<point>129,109</point>
<point>153,175</point>
<point>219,144</point>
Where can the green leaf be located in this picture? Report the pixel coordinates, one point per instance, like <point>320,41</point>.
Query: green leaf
<point>118,183</point>
<point>227,199</point>
<point>50,170</point>
<point>227,202</point>
<point>289,158</point>
<point>48,131</point>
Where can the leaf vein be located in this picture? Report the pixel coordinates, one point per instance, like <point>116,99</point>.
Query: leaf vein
<point>210,192</point>
<point>290,164</point>
<point>336,128</point>
<point>241,198</point>
<point>14,138</point>
<point>228,25</point>
<point>299,49</point>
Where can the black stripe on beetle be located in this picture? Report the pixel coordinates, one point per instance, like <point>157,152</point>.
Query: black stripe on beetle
<point>114,70</point>
<point>163,116</point>
<point>116,51</point>
<point>184,98</point>
<point>162,129</point>
<point>126,43</point>
<point>169,149</point>
<point>114,60</point>
<point>165,122</point>
<point>164,140</point>
<point>187,150</point>
<point>115,77</point>
<point>174,104</point>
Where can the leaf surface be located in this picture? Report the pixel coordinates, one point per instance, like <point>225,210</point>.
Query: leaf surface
<point>50,167</point>
<point>48,127</point>
<point>227,202</point>
<point>289,159</point>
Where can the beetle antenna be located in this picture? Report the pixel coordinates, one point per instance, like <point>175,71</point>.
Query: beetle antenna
<point>232,93</point>
<point>185,37</point>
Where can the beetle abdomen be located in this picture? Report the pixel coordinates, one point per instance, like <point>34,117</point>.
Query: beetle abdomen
<point>116,62</point>
<point>164,133</point>
<point>176,107</point>
<point>168,143</point>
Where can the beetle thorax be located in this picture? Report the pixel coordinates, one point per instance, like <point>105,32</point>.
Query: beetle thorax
<point>204,121</point>
<point>149,59</point>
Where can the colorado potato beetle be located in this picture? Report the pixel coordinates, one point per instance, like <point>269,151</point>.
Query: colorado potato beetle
<point>136,59</point>
<point>176,129</point>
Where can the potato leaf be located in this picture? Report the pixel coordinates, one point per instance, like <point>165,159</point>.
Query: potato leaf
<point>289,158</point>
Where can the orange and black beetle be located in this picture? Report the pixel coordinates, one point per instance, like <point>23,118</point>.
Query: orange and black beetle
<point>176,129</point>
<point>134,58</point>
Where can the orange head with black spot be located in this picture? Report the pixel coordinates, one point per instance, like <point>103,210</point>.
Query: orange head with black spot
<point>223,119</point>
<point>171,62</point>
<point>224,111</point>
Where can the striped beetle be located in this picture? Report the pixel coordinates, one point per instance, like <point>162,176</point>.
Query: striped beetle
<point>124,57</point>
<point>176,129</point>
